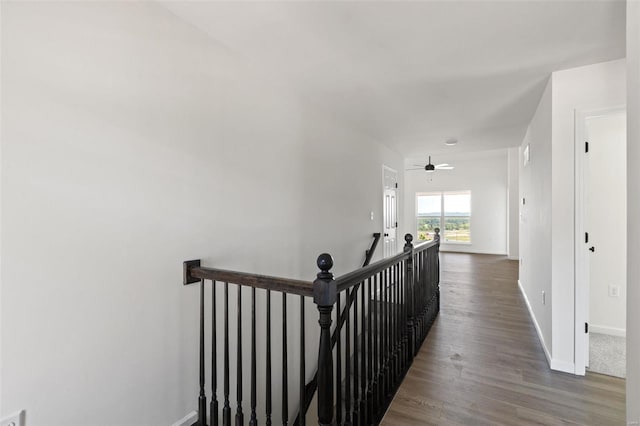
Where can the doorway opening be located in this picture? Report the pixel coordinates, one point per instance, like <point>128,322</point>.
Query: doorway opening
<point>601,241</point>
<point>390,211</point>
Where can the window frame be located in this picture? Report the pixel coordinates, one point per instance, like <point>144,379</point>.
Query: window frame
<point>442,194</point>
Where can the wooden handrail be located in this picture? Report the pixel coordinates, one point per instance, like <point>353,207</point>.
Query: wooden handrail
<point>193,272</point>
<point>352,278</point>
<point>372,249</point>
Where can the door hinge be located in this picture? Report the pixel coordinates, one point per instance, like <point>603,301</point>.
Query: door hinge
<point>396,184</point>
<point>586,327</point>
<point>586,237</point>
<point>586,146</point>
<point>396,224</point>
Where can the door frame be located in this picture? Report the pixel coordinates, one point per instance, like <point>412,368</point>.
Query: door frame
<point>581,259</point>
<point>385,169</point>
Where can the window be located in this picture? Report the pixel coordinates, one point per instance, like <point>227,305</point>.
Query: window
<point>449,211</point>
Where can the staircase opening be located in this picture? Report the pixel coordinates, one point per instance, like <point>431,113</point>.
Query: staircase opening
<point>371,323</point>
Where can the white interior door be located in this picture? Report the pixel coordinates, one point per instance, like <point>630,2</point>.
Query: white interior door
<point>390,212</point>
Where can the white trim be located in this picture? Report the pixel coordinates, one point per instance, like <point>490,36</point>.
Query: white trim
<point>187,420</point>
<point>538,329</point>
<point>564,366</point>
<point>468,250</point>
<point>610,331</point>
<point>513,257</point>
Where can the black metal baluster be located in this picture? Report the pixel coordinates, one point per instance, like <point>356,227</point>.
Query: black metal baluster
<point>226,409</point>
<point>268,366</point>
<point>285,377</point>
<point>363,356</point>
<point>202,399</point>
<point>402,322</point>
<point>392,328</point>
<point>394,325</point>
<point>355,355</point>
<point>239,414</point>
<point>254,420</point>
<point>214,359</point>
<point>303,372</point>
<point>376,345</point>
<point>347,360</point>
<point>370,358</point>
<point>385,334</point>
<point>338,363</point>
<point>389,317</point>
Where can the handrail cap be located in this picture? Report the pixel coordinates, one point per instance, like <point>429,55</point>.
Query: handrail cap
<point>408,238</point>
<point>325,262</point>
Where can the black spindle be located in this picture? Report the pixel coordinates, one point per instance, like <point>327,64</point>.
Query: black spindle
<point>303,396</point>
<point>254,420</point>
<point>370,358</point>
<point>356,359</point>
<point>226,409</point>
<point>338,363</point>
<point>214,360</point>
<point>202,399</point>
<point>363,357</point>
<point>268,366</point>
<point>285,379</point>
<point>347,360</point>
<point>239,414</point>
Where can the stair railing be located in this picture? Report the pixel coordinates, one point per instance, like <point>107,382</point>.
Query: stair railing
<point>395,301</point>
<point>312,386</point>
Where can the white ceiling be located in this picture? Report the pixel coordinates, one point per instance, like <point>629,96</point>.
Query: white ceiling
<point>412,74</point>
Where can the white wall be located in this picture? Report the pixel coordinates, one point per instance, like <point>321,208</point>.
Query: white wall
<point>547,234</point>
<point>130,143</point>
<point>584,88</point>
<point>633,211</point>
<point>535,220</point>
<point>485,174</point>
<point>606,217</point>
<point>513,217</point>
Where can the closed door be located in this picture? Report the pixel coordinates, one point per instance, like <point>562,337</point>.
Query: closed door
<point>390,212</point>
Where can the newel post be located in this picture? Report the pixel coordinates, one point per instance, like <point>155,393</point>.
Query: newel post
<point>409,280</point>
<point>324,295</point>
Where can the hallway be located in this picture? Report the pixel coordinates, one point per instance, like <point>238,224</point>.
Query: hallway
<point>482,362</point>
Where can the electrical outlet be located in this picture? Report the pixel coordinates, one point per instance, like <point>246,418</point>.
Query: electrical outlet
<point>544,298</point>
<point>371,216</point>
<point>16,419</point>
<point>614,290</point>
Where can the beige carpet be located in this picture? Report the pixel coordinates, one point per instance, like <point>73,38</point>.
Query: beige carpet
<point>607,355</point>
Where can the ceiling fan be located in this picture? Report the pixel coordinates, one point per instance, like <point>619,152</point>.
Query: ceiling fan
<point>430,168</point>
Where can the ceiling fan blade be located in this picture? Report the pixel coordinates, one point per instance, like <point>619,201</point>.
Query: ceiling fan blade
<point>441,165</point>
<point>418,165</point>
<point>445,168</point>
<point>421,168</point>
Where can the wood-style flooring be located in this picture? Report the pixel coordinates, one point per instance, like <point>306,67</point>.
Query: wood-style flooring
<point>482,363</point>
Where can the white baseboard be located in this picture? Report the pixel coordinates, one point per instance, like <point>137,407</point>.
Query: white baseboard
<point>187,420</point>
<point>611,331</point>
<point>513,257</point>
<point>535,323</point>
<point>564,366</point>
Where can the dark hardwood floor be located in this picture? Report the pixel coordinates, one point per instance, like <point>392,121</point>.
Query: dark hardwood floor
<point>482,363</point>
